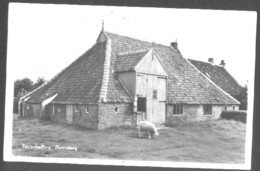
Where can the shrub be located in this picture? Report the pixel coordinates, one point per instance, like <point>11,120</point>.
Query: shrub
<point>238,115</point>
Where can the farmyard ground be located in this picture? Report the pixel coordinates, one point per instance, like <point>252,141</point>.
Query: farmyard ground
<point>221,141</point>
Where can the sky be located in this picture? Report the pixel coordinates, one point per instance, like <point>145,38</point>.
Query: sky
<point>43,39</point>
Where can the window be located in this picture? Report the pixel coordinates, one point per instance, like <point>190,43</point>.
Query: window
<point>141,104</point>
<point>177,109</point>
<point>225,107</point>
<point>116,109</point>
<point>207,109</point>
<point>86,110</point>
<point>76,108</point>
<point>234,108</point>
<point>154,94</point>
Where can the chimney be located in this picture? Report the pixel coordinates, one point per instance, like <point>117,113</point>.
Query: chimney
<point>211,60</point>
<point>222,63</point>
<point>174,45</point>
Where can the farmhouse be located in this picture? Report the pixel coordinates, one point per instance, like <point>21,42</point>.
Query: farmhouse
<point>122,80</point>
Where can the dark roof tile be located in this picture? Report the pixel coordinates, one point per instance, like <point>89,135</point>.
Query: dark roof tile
<point>183,77</point>
<point>219,75</point>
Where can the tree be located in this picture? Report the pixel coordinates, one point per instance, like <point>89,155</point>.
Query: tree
<point>243,98</point>
<point>39,82</point>
<point>22,86</point>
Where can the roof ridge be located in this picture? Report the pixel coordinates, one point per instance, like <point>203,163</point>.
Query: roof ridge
<point>134,52</point>
<point>202,62</point>
<point>137,39</point>
<point>106,72</point>
<point>218,66</point>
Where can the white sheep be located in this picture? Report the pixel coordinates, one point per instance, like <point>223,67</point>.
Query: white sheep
<point>146,127</point>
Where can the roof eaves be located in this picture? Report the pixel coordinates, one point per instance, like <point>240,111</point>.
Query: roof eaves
<point>28,94</point>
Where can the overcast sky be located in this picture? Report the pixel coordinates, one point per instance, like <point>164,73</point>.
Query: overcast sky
<point>43,39</point>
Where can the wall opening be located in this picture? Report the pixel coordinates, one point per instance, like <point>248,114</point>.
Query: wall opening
<point>154,94</point>
<point>177,109</point>
<point>116,109</point>
<point>207,109</point>
<point>87,110</point>
<point>141,104</point>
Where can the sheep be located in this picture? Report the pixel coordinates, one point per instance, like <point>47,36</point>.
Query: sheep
<point>146,127</point>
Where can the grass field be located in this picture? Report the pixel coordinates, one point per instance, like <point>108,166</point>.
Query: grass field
<point>221,141</point>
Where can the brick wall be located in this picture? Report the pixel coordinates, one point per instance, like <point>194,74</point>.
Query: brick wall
<point>230,107</point>
<point>57,113</point>
<point>192,113</point>
<point>28,110</point>
<point>32,110</point>
<point>109,117</point>
<point>85,115</point>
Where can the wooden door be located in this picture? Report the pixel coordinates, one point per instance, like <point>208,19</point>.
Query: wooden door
<point>161,86</point>
<point>69,114</point>
<point>149,96</point>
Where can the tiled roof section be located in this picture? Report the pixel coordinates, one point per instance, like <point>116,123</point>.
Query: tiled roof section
<point>79,83</point>
<point>185,83</point>
<point>219,75</point>
<point>128,60</point>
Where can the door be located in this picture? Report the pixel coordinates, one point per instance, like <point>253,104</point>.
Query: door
<point>161,86</point>
<point>153,89</point>
<point>69,114</point>
<point>150,103</point>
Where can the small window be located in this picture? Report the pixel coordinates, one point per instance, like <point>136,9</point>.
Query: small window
<point>207,109</point>
<point>87,110</point>
<point>59,110</point>
<point>154,94</point>
<point>76,108</point>
<point>177,109</point>
<point>225,107</point>
<point>234,107</point>
<point>116,109</point>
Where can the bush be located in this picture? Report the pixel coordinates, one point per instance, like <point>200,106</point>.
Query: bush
<point>238,115</point>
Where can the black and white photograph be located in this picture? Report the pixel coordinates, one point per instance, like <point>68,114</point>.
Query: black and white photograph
<point>130,86</point>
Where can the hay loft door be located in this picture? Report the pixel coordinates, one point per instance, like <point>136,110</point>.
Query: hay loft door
<point>69,114</point>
